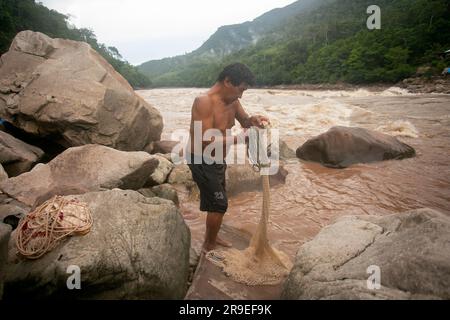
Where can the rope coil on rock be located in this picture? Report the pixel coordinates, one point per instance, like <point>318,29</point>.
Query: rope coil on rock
<point>42,229</point>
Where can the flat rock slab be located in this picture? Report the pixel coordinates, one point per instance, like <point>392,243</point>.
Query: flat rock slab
<point>211,283</point>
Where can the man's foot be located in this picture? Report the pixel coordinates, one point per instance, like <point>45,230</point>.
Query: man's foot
<point>223,243</point>
<point>207,248</point>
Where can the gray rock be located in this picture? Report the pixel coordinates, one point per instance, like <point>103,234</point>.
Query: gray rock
<point>147,192</point>
<point>16,156</point>
<point>161,172</point>
<point>138,248</point>
<point>167,156</point>
<point>11,214</point>
<point>80,170</point>
<point>238,178</point>
<point>166,191</point>
<point>411,249</point>
<point>163,146</point>
<point>341,147</point>
<point>65,89</point>
<point>5,232</point>
<point>3,174</point>
<point>283,152</point>
<point>180,174</point>
<point>194,259</point>
<point>6,200</point>
<point>242,178</point>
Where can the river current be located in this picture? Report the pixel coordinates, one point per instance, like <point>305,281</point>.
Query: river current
<point>314,196</point>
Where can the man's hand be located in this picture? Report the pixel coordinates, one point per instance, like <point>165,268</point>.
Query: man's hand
<point>259,121</point>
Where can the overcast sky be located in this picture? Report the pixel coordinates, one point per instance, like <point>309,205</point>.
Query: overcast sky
<point>143,30</point>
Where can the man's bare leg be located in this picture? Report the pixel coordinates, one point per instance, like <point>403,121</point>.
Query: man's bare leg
<point>213,223</point>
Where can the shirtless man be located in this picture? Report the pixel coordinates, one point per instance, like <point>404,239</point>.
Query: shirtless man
<point>217,109</point>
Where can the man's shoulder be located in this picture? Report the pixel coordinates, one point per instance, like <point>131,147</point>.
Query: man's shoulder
<point>203,104</point>
<point>203,99</point>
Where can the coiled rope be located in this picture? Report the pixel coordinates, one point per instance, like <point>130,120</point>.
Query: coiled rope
<point>42,229</point>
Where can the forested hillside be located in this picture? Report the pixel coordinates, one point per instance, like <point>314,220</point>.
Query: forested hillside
<point>19,15</point>
<point>333,44</point>
<point>226,40</point>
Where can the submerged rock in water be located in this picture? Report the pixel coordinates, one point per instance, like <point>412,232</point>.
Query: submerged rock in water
<point>138,248</point>
<point>399,256</point>
<point>341,147</point>
<point>65,90</point>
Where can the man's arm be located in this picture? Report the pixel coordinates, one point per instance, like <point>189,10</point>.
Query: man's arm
<point>246,121</point>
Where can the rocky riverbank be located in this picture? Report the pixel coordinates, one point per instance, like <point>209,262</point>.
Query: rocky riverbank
<point>427,85</point>
<point>140,246</point>
<point>436,84</point>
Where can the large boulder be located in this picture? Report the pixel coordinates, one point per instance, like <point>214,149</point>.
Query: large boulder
<point>16,156</point>
<point>408,252</point>
<point>80,170</point>
<point>341,147</point>
<point>65,90</point>
<point>138,248</point>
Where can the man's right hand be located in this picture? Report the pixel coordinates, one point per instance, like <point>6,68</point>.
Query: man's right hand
<point>259,121</point>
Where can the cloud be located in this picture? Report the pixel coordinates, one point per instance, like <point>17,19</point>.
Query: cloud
<point>143,30</point>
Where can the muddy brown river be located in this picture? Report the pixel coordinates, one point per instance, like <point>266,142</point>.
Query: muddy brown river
<point>314,196</point>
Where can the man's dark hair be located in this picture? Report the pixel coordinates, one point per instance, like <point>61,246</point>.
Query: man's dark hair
<point>237,73</point>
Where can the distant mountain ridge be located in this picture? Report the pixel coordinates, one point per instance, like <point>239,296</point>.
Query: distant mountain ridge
<point>229,39</point>
<point>232,38</point>
<point>323,41</point>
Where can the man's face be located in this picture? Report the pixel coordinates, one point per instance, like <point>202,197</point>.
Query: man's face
<point>236,92</point>
<point>241,88</point>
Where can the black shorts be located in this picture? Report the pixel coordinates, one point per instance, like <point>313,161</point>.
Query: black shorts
<point>210,179</point>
